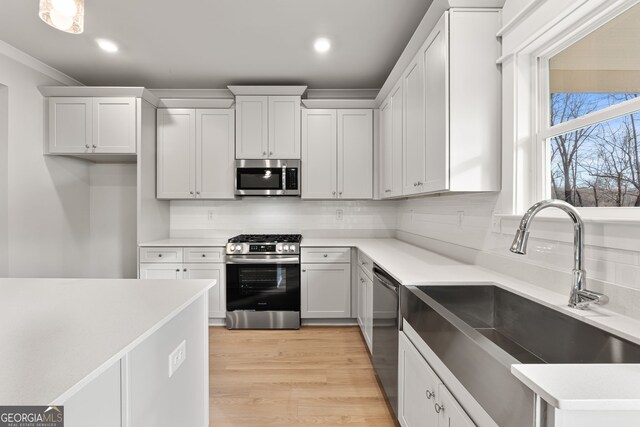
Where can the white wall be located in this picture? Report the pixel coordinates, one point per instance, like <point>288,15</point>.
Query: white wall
<point>282,215</point>
<point>4,180</point>
<point>113,220</point>
<point>47,197</point>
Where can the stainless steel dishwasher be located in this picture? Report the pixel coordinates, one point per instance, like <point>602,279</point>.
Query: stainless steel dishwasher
<point>386,326</point>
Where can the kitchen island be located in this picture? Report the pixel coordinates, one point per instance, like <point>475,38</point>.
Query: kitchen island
<point>113,352</point>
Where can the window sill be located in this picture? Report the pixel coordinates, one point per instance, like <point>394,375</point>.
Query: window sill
<point>587,218</point>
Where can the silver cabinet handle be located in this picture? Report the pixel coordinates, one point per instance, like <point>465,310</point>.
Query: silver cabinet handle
<point>270,153</point>
<point>304,271</point>
<point>364,263</point>
<point>325,255</point>
<point>204,255</point>
<point>184,269</point>
<point>334,193</point>
<point>198,193</point>
<point>94,146</point>
<point>264,153</point>
<point>430,394</point>
<point>191,192</point>
<point>420,183</point>
<point>159,255</point>
<point>439,408</point>
<point>340,193</point>
<point>361,280</point>
<point>387,191</point>
<point>177,270</point>
<point>87,146</point>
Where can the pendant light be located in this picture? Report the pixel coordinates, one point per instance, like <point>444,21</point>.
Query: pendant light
<point>64,15</point>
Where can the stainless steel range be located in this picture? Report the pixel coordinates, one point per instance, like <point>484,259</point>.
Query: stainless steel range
<point>263,281</point>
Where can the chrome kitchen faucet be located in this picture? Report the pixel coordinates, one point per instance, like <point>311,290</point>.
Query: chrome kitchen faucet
<point>580,297</point>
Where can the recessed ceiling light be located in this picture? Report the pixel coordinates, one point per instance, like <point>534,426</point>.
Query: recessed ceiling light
<point>107,45</point>
<point>322,45</point>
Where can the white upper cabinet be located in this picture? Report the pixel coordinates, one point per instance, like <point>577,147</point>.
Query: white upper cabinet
<point>451,109</point>
<point>268,127</point>
<point>195,153</point>
<point>413,116</point>
<point>319,159</point>
<point>284,127</point>
<point>391,131</point>
<point>176,140</point>
<point>214,154</point>
<point>252,127</point>
<point>435,57</point>
<point>355,154</point>
<point>337,153</point>
<point>91,125</point>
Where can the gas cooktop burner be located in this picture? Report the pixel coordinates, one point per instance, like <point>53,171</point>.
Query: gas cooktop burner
<point>266,238</point>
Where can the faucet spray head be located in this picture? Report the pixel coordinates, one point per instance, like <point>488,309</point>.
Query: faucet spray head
<point>519,245</point>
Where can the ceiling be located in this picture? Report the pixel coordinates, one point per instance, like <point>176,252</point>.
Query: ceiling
<point>201,44</point>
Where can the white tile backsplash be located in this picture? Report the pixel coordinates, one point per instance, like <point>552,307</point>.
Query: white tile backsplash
<point>282,215</point>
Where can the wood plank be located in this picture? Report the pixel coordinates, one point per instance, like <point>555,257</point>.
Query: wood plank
<point>314,377</point>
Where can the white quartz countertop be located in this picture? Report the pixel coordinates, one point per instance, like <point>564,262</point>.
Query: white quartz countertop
<point>186,242</point>
<point>613,387</point>
<point>564,386</point>
<point>58,334</point>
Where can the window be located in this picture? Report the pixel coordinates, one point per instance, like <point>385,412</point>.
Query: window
<point>591,125</point>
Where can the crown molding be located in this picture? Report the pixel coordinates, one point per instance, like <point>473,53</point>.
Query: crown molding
<point>267,90</point>
<point>107,91</point>
<point>35,64</point>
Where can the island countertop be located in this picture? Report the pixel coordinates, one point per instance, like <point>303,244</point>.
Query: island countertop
<point>59,334</point>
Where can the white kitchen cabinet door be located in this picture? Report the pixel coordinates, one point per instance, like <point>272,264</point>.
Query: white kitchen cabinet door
<point>362,289</point>
<point>436,84</point>
<point>161,271</point>
<point>176,142</point>
<point>319,148</point>
<point>217,294</point>
<point>326,291</point>
<point>355,154</point>
<point>417,388</point>
<point>214,155</point>
<point>284,127</point>
<point>391,144</point>
<point>413,118</point>
<point>252,119</point>
<point>368,312</point>
<point>70,125</point>
<point>451,413</point>
<point>114,126</point>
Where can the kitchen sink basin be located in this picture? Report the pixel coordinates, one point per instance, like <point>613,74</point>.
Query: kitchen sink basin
<point>528,331</point>
<point>478,330</point>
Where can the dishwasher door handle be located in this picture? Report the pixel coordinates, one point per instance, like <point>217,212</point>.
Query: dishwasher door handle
<point>384,282</point>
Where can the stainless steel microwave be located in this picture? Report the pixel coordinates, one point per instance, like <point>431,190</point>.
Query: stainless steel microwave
<point>268,177</point>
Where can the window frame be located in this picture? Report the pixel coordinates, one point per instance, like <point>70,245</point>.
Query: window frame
<point>540,112</point>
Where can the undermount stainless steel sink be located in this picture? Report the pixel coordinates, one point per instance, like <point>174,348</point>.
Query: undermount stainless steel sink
<point>480,330</point>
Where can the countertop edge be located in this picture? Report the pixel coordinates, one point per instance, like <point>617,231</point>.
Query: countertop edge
<point>125,350</point>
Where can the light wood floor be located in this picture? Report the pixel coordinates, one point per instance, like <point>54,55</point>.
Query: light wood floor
<point>317,376</point>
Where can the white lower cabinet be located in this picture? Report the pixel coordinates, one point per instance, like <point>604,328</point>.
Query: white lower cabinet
<point>423,400</point>
<point>199,266</point>
<point>325,284</point>
<point>365,306</point>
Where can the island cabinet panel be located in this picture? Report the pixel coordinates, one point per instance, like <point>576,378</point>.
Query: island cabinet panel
<point>156,399</point>
<point>97,404</point>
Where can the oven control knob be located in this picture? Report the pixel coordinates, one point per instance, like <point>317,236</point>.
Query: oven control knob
<point>285,248</point>
<point>292,248</point>
<point>232,248</point>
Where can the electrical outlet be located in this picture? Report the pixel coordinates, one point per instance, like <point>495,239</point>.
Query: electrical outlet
<point>210,214</point>
<point>339,214</point>
<point>496,222</point>
<point>460,218</point>
<point>177,358</point>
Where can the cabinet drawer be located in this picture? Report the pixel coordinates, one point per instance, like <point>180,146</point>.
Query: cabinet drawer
<point>328,255</point>
<point>165,254</point>
<point>204,255</point>
<point>366,264</point>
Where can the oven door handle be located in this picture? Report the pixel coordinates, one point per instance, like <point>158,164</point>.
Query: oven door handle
<point>262,260</point>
